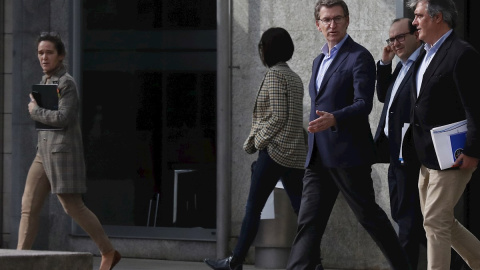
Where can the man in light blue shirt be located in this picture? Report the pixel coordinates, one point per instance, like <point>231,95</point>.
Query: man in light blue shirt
<point>340,144</point>
<point>327,60</point>
<point>444,92</point>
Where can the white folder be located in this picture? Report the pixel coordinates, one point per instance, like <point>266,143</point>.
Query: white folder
<point>449,141</point>
<point>404,131</point>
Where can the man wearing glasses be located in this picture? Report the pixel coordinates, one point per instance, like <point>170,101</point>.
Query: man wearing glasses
<point>393,89</point>
<point>340,144</point>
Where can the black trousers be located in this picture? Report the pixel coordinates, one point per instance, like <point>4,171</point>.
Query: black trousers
<point>405,207</point>
<point>321,186</point>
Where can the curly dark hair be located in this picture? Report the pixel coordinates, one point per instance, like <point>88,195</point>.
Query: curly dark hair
<point>55,39</point>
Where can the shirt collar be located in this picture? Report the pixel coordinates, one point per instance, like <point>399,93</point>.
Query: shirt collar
<point>436,45</point>
<point>58,72</point>
<point>413,56</point>
<point>334,49</point>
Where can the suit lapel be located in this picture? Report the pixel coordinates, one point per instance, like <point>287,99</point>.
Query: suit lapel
<point>389,96</point>
<point>437,59</point>
<point>404,81</point>
<point>339,58</point>
<point>313,80</point>
<point>416,67</point>
<point>258,92</point>
<point>390,88</point>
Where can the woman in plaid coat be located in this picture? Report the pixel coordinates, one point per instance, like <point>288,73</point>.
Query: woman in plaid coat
<point>277,133</point>
<point>59,165</point>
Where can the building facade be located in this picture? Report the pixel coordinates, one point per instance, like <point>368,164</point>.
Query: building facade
<point>167,90</point>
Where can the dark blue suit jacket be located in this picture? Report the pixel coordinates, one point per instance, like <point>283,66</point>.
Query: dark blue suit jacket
<point>389,148</point>
<point>347,92</point>
<point>448,94</point>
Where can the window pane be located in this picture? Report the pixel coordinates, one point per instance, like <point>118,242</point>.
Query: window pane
<point>149,112</point>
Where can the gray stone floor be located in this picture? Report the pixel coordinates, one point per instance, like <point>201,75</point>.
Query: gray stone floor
<point>145,264</point>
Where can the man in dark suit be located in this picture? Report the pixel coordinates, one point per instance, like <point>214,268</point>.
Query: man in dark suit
<point>444,91</point>
<point>393,89</point>
<point>340,143</point>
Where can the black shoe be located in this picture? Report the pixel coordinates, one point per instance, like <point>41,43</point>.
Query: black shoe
<point>223,264</point>
<point>319,267</point>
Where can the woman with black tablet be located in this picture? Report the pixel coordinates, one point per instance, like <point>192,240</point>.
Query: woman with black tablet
<point>59,165</point>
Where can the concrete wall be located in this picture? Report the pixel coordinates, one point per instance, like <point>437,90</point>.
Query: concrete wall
<point>345,244</point>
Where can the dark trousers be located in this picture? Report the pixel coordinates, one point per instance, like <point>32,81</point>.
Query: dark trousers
<point>405,208</point>
<point>320,190</point>
<point>265,175</point>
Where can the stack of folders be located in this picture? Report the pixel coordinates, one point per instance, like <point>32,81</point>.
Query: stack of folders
<point>449,141</point>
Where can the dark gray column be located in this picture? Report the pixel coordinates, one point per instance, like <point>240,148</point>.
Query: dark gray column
<point>76,43</point>
<point>2,112</point>
<point>224,119</point>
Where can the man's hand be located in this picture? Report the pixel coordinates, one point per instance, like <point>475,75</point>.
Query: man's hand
<point>325,121</point>
<point>387,55</point>
<point>466,162</point>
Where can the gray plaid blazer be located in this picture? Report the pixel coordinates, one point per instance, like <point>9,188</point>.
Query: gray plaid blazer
<point>62,150</point>
<point>277,122</point>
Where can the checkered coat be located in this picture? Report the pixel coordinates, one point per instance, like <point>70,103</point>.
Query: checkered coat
<point>277,122</point>
<point>62,150</point>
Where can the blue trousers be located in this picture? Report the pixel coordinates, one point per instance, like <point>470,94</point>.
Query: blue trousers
<point>265,175</point>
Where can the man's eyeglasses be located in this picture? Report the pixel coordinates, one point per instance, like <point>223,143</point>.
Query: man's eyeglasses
<point>328,21</point>
<point>399,38</point>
